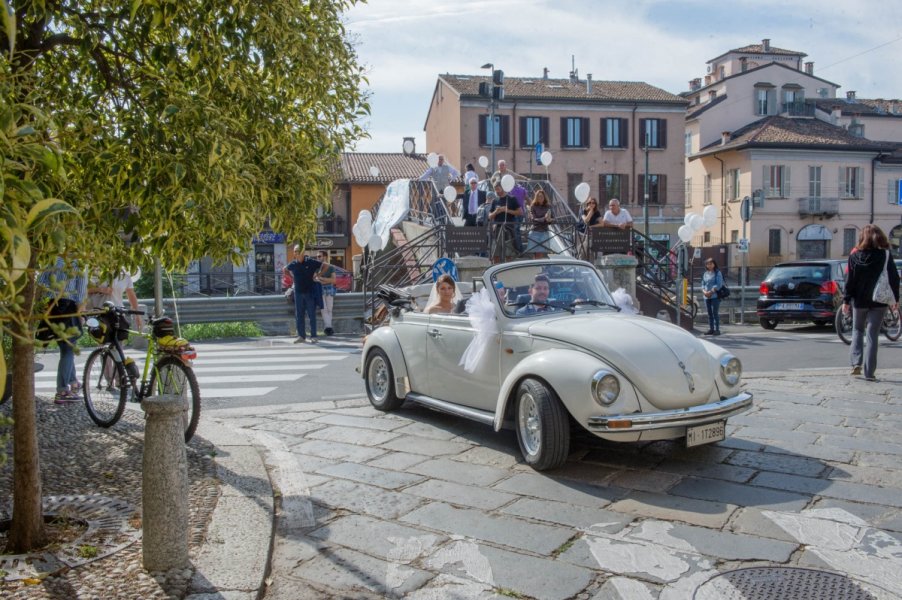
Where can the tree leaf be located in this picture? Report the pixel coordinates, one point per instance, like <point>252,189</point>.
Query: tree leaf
<point>9,24</point>
<point>20,250</point>
<point>46,208</point>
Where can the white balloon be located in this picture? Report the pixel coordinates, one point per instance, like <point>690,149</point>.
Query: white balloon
<point>450,193</point>
<point>358,235</point>
<point>483,161</point>
<point>687,218</point>
<point>365,216</point>
<point>136,275</point>
<point>685,233</point>
<point>581,192</point>
<point>696,222</point>
<point>546,158</point>
<point>507,182</point>
<point>709,215</point>
<point>375,242</point>
<point>374,171</point>
<point>432,159</point>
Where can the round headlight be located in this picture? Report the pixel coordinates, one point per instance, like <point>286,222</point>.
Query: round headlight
<point>605,388</point>
<point>730,370</point>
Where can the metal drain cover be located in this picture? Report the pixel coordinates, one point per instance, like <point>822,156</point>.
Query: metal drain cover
<point>784,583</point>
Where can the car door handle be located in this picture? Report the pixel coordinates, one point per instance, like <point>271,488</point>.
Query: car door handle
<point>435,333</point>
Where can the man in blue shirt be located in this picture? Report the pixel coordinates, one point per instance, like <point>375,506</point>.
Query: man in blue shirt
<point>538,297</point>
<point>303,269</point>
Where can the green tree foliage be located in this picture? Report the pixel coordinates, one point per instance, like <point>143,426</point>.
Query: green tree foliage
<point>158,128</point>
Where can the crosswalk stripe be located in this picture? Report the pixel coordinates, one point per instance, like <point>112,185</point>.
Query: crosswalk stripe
<point>243,392</point>
<point>215,369</point>
<point>248,378</point>
<point>300,352</point>
<point>202,360</point>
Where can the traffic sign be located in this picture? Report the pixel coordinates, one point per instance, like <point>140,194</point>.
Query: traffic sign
<point>743,246</point>
<point>540,149</point>
<point>444,266</point>
<point>745,209</point>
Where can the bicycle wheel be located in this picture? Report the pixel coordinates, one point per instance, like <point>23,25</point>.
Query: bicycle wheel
<point>104,397</point>
<point>843,324</point>
<point>173,377</point>
<point>892,325</point>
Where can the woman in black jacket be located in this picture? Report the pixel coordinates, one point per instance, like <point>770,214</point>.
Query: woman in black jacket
<point>866,263</point>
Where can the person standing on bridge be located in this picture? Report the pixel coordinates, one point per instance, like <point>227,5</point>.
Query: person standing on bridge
<point>303,269</point>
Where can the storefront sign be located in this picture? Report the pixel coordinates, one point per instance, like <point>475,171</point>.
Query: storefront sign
<point>269,237</point>
<point>332,241</point>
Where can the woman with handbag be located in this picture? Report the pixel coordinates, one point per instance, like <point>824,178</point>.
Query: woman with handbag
<point>712,283</point>
<point>65,287</point>
<point>872,284</point>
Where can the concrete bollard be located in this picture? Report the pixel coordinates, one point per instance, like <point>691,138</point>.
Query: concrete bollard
<point>165,485</point>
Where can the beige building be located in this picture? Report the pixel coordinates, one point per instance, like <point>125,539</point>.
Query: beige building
<point>762,124</point>
<point>595,131</point>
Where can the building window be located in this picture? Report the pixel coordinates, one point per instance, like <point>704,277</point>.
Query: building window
<point>765,101</point>
<point>707,237</point>
<point>773,242</point>
<point>856,129</point>
<point>657,189</point>
<point>574,132</point>
<point>653,132</point>
<point>688,192</point>
<point>497,133</point>
<point>533,130</point>
<point>706,196</point>
<point>814,182</point>
<point>850,182</point>
<point>613,185</point>
<point>614,133</point>
<point>893,193</point>
<point>734,236</point>
<point>776,181</point>
<point>849,239</point>
<point>687,143</point>
<point>733,191</point>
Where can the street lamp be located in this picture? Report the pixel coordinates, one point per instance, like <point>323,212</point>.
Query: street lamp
<point>495,93</point>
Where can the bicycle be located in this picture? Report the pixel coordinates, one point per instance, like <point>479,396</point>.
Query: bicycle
<point>891,326</point>
<point>110,377</point>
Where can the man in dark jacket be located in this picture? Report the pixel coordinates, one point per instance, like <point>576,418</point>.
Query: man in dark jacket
<point>471,200</point>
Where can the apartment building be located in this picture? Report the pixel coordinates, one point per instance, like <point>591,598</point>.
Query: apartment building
<point>762,124</point>
<point>596,132</point>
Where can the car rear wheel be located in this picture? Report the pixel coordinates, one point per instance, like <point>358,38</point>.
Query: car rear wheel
<point>379,379</point>
<point>768,323</point>
<point>543,430</point>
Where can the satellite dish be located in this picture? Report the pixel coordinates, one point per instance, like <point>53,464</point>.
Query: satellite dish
<point>408,146</point>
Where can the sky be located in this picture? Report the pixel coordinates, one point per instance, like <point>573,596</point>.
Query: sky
<point>405,44</point>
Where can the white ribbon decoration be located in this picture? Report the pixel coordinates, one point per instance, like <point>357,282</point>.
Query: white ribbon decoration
<point>481,310</point>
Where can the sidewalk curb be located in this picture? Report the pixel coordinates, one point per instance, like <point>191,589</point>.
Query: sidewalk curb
<point>234,557</point>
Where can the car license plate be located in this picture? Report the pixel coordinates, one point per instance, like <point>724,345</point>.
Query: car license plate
<point>789,306</point>
<point>705,434</point>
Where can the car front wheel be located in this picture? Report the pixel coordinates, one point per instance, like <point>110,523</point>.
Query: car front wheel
<point>543,430</point>
<point>768,323</point>
<point>379,379</point>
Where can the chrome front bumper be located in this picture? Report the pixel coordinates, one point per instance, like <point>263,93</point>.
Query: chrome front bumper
<point>684,417</point>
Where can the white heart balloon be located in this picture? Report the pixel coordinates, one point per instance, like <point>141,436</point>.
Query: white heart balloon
<point>432,159</point>
<point>687,218</point>
<point>709,215</point>
<point>483,161</point>
<point>507,182</point>
<point>358,236</point>
<point>136,275</point>
<point>696,222</point>
<point>365,216</point>
<point>374,171</point>
<point>375,242</point>
<point>546,158</point>
<point>685,233</point>
<point>450,193</point>
<point>581,192</point>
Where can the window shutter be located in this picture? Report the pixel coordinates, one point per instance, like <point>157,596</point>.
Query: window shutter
<point>643,123</point>
<point>482,130</point>
<point>662,133</point>
<point>858,182</point>
<point>787,184</point>
<point>624,188</point>
<point>563,132</point>
<point>765,181</point>
<point>662,189</point>
<point>843,185</point>
<point>522,128</point>
<point>505,131</point>
<point>605,123</point>
<point>772,102</point>
<point>892,191</point>
<point>584,132</point>
<point>543,127</point>
<point>602,191</point>
<point>624,133</point>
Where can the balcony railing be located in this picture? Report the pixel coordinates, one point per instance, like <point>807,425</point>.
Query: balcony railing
<point>818,207</point>
<point>797,109</point>
<point>334,224</point>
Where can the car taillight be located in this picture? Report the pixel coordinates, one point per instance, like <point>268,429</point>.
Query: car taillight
<point>764,288</point>
<point>829,287</point>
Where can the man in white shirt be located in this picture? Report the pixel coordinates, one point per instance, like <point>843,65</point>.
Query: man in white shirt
<point>616,216</point>
<point>441,174</point>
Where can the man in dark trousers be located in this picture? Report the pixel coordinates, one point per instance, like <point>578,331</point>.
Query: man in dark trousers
<point>505,210</point>
<point>303,269</point>
<point>472,199</point>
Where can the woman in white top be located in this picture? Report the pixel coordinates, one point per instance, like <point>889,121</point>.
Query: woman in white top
<point>100,292</point>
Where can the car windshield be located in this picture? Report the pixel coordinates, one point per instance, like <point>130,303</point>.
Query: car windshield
<point>542,288</point>
<point>808,272</point>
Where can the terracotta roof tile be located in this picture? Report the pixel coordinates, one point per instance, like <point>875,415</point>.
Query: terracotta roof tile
<point>759,49</point>
<point>355,166</point>
<point>862,106</point>
<point>538,88</point>
<point>695,111</point>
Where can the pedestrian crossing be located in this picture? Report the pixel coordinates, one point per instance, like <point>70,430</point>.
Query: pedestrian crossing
<point>233,370</point>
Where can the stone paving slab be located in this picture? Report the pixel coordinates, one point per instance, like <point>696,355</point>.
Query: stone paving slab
<point>722,545</point>
<point>381,424</point>
<point>741,495</point>
<point>706,513</point>
<point>460,495</point>
<point>382,539</point>
<point>458,472</point>
<point>541,486</point>
<point>372,475</point>
<point>338,451</point>
<point>577,517</point>
<point>366,499</point>
<point>428,446</point>
<point>351,435</point>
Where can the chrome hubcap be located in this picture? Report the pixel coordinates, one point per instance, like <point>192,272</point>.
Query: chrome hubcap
<point>378,378</point>
<point>529,424</point>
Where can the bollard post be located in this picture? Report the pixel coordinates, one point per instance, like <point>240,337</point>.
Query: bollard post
<point>165,485</point>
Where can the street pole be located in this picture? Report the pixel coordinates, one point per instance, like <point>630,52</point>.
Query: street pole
<point>645,208</point>
<point>157,288</point>
<point>492,124</point>
<point>743,276</point>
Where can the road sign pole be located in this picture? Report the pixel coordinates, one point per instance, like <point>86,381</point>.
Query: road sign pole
<point>743,277</point>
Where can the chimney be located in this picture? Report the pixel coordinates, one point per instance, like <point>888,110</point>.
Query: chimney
<point>724,137</point>
<point>588,84</point>
<point>850,95</point>
<point>409,145</point>
<point>544,72</point>
<point>712,94</point>
<point>695,84</point>
<point>765,43</point>
<point>743,64</point>
<point>707,80</point>
<point>809,68</point>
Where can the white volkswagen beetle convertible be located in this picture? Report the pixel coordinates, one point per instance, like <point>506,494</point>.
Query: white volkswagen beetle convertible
<point>541,343</point>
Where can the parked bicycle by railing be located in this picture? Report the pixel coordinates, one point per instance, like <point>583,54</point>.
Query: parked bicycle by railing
<point>111,377</point>
<point>891,326</point>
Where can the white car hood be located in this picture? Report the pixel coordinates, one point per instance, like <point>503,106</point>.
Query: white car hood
<point>648,352</point>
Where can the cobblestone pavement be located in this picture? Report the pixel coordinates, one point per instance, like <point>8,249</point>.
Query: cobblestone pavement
<point>417,504</point>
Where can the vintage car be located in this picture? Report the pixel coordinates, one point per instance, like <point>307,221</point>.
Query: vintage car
<point>553,347</point>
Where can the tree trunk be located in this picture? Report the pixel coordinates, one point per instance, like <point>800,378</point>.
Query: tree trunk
<point>27,529</point>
